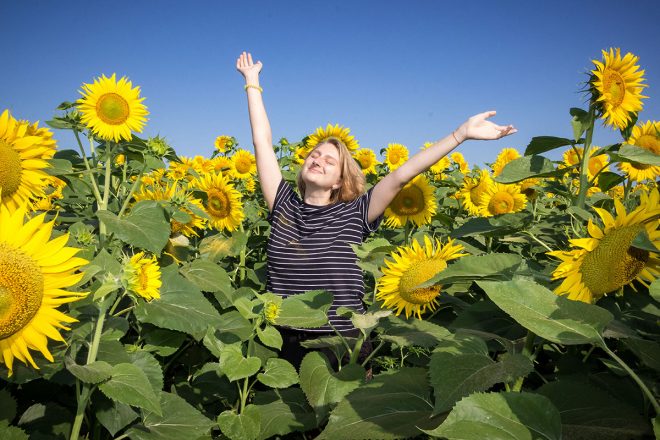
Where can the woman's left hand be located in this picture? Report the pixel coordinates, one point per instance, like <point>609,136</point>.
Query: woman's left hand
<point>477,127</point>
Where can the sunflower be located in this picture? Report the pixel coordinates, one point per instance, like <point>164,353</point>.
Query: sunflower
<point>415,202</point>
<point>617,86</point>
<point>301,154</point>
<point>24,151</point>
<point>201,165</point>
<point>646,136</point>
<point>244,164</point>
<point>34,271</point>
<point>505,156</point>
<point>606,260</point>
<point>250,185</point>
<point>120,160</point>
<point>459,160</point>
<point>111,109</point>
<point>411,266</point>
<point>367,160</point>
<point>142,276</point>
<point>222,164</point>
<point>472,190</point>
<point>440,166</point>
<point>223,203</point>
<point>395,155</point>
<point>222,143</point>
<point>501,199</point>
<point>337,131</point>
<point>183,200</point>
<point>596,164</point>
<point>616,192</point>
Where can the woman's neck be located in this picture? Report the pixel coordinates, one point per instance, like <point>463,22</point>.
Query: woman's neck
<point>318,197</point>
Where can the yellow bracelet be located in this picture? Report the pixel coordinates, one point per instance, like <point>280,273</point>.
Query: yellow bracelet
<point>254,86</point>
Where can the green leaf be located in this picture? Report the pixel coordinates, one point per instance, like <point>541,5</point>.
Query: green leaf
<point>179,421</point>
<point>11,432</point>
<point>181,307</point>
<point>541,144</point>
<point>59,167</point>
<point>144,227</point>
<point>161,341</point>
<point>654,289</point>
<point>322,386</point>
<point>218,246</point>
<point>477,267</point>
<point>278,373</point>
<point>502,416</point>
<point>7,406</point>
<point>91,373</point>
<point>146,362</point>
<point>633,153</point>
<point>552,317</point>
<point>589,412</point>
<point>369,320</point>
<point>207,276</point>
<point>244,426</point>
<point>130,385</point>
<point>270,337</point>
<point>647,351</point>
<point>114,416</point>
<point>235,365</point>
<point>526,167</point>
<point>607,180</point>
<point>412,331</point>
<point>283,411</point>
<point>642,241</point>
<point>454,376</point>
<point>305,310</point>
<point>392,405</point>
<point>233,327</point>
<point>580,122</point>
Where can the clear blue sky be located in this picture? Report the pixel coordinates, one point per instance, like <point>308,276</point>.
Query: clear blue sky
<point>393,71</point>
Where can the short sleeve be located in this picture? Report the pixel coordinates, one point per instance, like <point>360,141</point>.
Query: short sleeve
<point>284,192</point>
<point>363,206</point>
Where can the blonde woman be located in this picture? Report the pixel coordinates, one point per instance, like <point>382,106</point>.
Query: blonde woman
<point>311,233</point>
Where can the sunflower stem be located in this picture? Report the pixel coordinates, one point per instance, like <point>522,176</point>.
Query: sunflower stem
<point>242,260</point>
<point>106,189</point>
<point>584,167</point>
<point>528,350</point>
<point>90,173</point>
<point>356,349</point>
<point>635,377</point>
<point>538,240</point>
<point>373,352</point>
<point>134,188</point>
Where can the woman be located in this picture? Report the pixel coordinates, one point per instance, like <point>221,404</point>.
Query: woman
<point>309,245</point>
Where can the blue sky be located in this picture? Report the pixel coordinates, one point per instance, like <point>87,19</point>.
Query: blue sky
<point>392,71</point>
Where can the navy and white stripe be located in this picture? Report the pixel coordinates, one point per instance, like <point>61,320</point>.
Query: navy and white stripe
<point>309,249</point>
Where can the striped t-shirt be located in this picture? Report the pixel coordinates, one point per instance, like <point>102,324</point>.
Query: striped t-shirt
<point>309,249</point>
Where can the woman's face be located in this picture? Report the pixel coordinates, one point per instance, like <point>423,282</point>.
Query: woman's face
<point>322,167</point>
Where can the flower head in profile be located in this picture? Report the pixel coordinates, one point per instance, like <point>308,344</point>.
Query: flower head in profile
<point>336,131</point>
<point>35,273</point>
<point>472,190</point>
<point>505,156</point>
<point>112,109</point>
<point>142,276</point>
<point>411,266</point>
<point>647,136</point>
<point>459,160</point>
<point>607,260</point>
<point>224,143</point>
<point>617,87</point>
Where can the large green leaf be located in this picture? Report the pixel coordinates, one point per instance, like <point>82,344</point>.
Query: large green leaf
<point>633,153</point>
<point>454,376</point>
<point>283,411</point>
<point>243,426</point>
<point>207,276</point>
<point>114,416</point>
<point>322,386</point>
<point>218,246</point>
<point>145,227</point>
<point>589,412</point>
<point>305,310</point>
<point>91,373</point>
<point>270,336</point>
<point>477,267</point>
<point>161,341</point>
<point>235,365</point>
<point>392,405</point>
<point>412,331</point>
<point>179,420</point>
<point>541,144</point>
<point>181,307</point>
<point>146,362</point>
<point>647,351</point>
<point>130,385</point>
<point>550,316</point>
<point>8,432</point>
<point>278,373</point>
<point>7,406</point>
<point>526,167</point>
<point>501,416</point>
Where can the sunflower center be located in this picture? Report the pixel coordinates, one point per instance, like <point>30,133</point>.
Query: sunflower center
<point>394,156</point>
<point>10,169</point>
<point>365,162</point>
<point>615,85</point>
<point>218,203</point>
<point>21,290</point>
<point>418,273</point>
<point>112,109</point>
<point>409,201</point>
<point>501,203</point>
<point>614,263</point>
<point>243,165</point>
<point>143,279</point>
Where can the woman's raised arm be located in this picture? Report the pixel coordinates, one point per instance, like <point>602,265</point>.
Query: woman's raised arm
<point>262,137</point>
<point>477,127</point>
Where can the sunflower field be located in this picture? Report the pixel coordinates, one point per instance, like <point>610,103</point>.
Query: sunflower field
<point>512,300</point>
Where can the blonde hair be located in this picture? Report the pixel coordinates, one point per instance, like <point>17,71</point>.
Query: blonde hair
<point>352,179</point>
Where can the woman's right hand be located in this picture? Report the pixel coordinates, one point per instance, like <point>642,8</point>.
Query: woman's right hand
<point>248,69</point>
